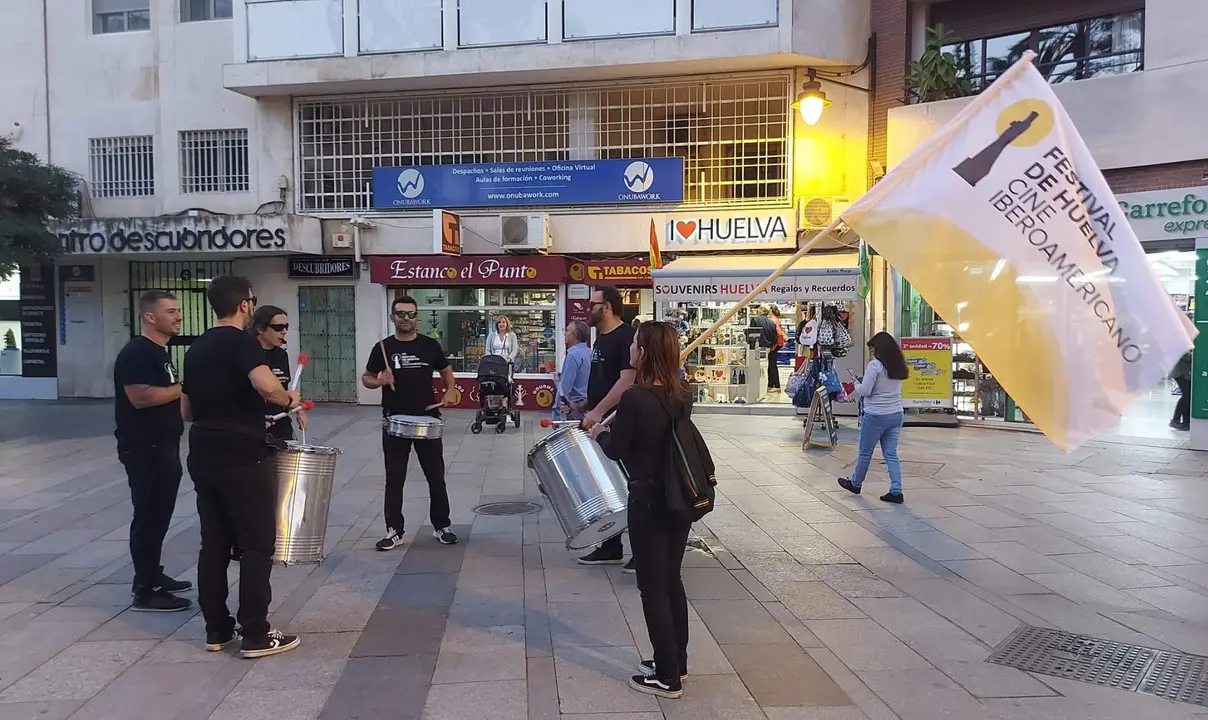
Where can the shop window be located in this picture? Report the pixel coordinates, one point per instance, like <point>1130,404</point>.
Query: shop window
<point>122,166</point>
<point>200,10</point>
<point>117,16</point>
<point>1097,47</point>
<point>732,133</point>
<point>461,319</point>
<point>213,161</point>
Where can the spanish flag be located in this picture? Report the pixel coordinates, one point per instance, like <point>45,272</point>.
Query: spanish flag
<point>1006,226</point>
<point>656,255</point>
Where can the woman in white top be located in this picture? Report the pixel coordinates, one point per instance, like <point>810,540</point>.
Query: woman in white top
<point>502,341</point>
<point>881,418</point>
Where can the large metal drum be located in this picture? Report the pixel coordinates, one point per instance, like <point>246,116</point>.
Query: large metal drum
<point>587,490</point>
<point>305,474</point>
<point>414,427</point>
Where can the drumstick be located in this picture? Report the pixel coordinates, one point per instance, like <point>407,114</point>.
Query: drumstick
<point>296,382</point>
<point>306,405</point>
<point>546,422</point>
<point>386,360</point>
<point>433,406</point>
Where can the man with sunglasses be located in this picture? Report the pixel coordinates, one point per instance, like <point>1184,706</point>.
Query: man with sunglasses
<point>226,383</point>
<point>402,366</point>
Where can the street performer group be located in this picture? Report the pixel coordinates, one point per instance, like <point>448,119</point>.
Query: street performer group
<point>235,389</point>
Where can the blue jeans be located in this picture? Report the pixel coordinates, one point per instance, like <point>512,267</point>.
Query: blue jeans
<point>885,429</point>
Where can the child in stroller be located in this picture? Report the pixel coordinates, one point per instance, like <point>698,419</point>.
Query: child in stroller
<point>495,397</point>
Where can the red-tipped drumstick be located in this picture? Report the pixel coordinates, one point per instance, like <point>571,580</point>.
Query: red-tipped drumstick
<point>307,405</point>
<point>294,383</point>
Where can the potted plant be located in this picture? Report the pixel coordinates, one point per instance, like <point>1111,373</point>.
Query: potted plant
<point>938,74</point>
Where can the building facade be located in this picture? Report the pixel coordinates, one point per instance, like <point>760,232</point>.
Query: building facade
<point>1129,72</point>
<point>305,115</point>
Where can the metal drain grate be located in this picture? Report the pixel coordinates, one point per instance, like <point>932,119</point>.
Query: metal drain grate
<point>1178,677</point>
<point>1075,657</point>
<point>507,508</point>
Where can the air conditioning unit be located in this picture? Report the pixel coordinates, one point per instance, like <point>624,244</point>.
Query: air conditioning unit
<point>815,213</point>
<point>525,233</point>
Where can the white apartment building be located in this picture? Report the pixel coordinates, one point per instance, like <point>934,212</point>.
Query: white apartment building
<point>244,135</point>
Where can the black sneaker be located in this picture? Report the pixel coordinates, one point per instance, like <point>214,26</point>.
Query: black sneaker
<point>893,497</point>
<point>159,601</point>
<point>646,667</point>
<point>164,583</point>
<point>599,557</point>
<point>393,539</point>
<point>445,536</point>
<point>275,643</point>
<point>654,686</point>
<point>629,569</point>
<point>846,485</point>
<point>219,641</point>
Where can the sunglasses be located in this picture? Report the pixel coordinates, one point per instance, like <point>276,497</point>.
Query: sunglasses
<point>406,314</point>
<point>253,300</point>
<point>279,327</point>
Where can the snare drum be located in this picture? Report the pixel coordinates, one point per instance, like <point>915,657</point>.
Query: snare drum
<point>414,427</point>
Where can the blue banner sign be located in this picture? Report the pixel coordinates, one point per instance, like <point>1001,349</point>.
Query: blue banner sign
<point>573,182</point>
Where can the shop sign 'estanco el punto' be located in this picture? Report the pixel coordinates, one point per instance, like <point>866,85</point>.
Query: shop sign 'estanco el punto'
<point>190,234</point>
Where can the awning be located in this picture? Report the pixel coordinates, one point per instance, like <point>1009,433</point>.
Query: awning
<point>730,278</point>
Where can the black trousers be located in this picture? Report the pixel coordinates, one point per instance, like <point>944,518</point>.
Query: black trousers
<point>153,472</point>
<point>237,506</point>
<point>431,454</point>
<point>658,553</point>
<point>1182,408</point>
<point>773,370</point>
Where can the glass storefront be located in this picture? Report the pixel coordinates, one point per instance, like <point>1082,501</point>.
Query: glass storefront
<point>462,317</point>
<point>978,396</point>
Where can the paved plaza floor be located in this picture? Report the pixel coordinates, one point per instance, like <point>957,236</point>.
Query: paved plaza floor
<point>807,603</point>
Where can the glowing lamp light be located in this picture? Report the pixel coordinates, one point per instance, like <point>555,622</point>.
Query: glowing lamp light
<point>811,102</point>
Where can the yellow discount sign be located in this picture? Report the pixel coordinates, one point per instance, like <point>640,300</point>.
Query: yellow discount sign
<point>929,384</point>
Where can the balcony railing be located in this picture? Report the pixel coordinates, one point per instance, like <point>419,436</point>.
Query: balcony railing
<point>294,29</point>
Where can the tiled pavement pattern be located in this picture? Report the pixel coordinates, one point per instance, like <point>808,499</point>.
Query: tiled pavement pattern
<point>817,604</point>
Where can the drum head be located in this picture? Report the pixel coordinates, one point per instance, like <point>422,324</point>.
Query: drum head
<point>415,419</point>
<point>599,531</point>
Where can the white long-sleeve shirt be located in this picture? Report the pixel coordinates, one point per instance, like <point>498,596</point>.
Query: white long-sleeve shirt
<point>507,346</point>
<point>882,394</point>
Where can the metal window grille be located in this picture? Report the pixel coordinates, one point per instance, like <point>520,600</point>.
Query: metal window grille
<point>122,166</point>
<point>733,133</point>
<point>213,161</point>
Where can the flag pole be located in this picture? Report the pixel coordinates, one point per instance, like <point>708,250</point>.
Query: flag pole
<point>760,288</point>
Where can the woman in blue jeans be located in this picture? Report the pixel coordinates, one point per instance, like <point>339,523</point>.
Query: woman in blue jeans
<point>881,419</point>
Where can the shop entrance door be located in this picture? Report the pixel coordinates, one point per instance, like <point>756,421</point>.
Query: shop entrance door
<point>188,281</point>
<point>327,331</point>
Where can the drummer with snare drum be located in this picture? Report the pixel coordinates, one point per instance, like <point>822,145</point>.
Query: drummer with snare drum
<point>401,366</point>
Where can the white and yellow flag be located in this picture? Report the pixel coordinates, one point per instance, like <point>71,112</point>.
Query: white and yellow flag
<point>1004,223</point>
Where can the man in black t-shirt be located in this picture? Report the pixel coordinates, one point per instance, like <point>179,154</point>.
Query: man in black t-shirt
<point>226,385</point>
<point>147,413</point>
<point>402,366</point>
<point>611,375</point>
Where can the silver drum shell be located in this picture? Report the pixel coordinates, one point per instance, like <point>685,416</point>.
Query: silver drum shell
<point>587,490</point>
<point>305,476</point>
<point>400,428</point>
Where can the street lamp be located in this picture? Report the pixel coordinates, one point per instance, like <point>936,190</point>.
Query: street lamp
<point>812,100</point>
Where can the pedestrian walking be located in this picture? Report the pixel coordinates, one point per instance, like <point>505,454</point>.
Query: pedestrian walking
<point>1181,374</point>
<point>882,417</point>
<point>149,426</point>
<point>227,382</point>
<point>638,438</point>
